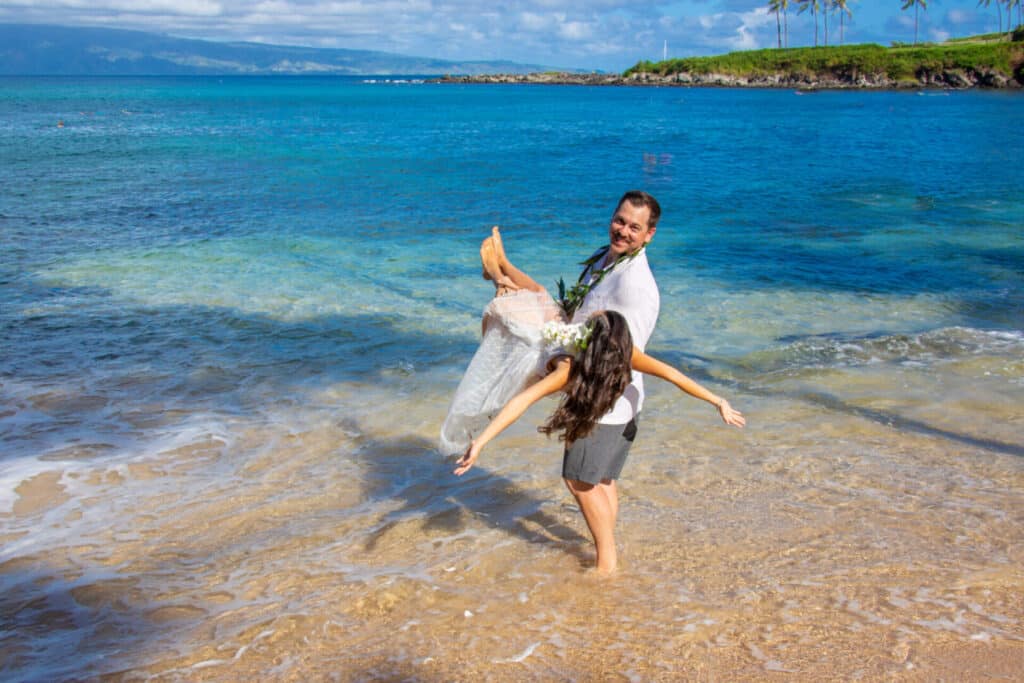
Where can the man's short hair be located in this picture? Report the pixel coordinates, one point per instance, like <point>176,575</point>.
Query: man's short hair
<point>641,198</point>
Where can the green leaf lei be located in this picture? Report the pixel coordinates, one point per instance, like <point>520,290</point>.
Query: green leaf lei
<point>572,299</point>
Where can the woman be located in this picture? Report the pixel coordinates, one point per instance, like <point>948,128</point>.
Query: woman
<point>512,353</point>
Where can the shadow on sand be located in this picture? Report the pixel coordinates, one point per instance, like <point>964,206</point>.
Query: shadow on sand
<point>412,473</point>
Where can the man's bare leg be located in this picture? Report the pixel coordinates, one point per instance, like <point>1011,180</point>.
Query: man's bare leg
<point>518,277</point>
<point>599,514</point>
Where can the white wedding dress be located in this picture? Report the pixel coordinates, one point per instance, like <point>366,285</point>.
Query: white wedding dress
<point>512,355</point>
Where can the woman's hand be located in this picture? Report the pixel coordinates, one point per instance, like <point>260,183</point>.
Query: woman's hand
<point>730,415</point>
<point>467,459</point>
<point>512,411</point>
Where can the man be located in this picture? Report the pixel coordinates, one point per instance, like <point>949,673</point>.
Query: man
<point>616,278</point>
<point>624,284</point>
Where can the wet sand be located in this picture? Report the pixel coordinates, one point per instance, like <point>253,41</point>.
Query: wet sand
<point>822,543</point>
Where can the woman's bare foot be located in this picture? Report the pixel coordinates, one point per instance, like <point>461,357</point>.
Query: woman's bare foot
<point>515,277</point>
<point>499,248</point>
<point>491,269</point>
<point>598,574</point>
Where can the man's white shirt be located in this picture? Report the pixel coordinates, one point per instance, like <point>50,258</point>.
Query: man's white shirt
<point>629,289</point>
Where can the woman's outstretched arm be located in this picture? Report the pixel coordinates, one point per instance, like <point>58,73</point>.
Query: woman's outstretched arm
<point>652,366</point>
<point>513,410</point>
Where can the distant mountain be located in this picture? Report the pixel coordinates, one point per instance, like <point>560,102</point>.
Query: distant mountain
<point>37,50</point>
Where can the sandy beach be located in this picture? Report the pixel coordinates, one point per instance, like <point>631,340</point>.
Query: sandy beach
<point>848,550</point>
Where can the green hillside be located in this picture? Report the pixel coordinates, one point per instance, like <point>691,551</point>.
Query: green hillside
<point>990,53</point>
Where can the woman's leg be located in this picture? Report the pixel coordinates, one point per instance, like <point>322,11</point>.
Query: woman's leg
<point>492,269</point>
<point>599,513</point>
<point>612,492</point>
<point>518,277</point>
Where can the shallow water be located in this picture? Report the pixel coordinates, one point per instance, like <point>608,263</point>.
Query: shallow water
<point>233,313</point>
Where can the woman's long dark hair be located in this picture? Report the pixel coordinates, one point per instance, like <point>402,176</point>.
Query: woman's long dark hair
<point>597,378</point>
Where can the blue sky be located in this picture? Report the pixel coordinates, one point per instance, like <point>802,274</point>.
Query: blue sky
<point>593,34</point>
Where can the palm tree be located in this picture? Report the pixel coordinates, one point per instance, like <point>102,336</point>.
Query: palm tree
<point>814,6</point>
<point>999,11</point>
<point>1010,4</point>
<point>784,4</point>
<point>825,10</point>
<point>915,3</point>
<point>780,7</point>
<point>773,6</point>
<point>843,7</point>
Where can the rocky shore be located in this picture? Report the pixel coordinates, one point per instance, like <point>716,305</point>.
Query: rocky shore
<point>946,78</point>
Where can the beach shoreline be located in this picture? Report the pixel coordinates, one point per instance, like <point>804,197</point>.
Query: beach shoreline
<point>761,556</point>
<point>953,79</point>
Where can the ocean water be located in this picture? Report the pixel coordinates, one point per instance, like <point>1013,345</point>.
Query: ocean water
<point>232,312</point>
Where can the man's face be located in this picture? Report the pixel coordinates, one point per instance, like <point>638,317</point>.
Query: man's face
<point>630,229</point>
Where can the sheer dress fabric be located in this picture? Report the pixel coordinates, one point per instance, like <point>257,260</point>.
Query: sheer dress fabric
<point>511,356</point>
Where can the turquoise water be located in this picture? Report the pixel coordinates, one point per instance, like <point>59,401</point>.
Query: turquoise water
<point>216,292</point>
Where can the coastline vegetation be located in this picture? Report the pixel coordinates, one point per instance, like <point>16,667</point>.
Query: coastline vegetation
<point>991,52</point>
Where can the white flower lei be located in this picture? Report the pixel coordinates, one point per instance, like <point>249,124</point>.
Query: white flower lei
<point>572,337</point>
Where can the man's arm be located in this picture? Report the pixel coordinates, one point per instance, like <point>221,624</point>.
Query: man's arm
<point>513,410</point>
<point>652,366</point>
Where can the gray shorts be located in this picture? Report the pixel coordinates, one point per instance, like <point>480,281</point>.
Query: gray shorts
<point>599,455</point>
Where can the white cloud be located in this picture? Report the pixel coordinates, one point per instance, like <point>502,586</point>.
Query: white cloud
<point>465,29</point>
<point>529,21</point>
<point>608,34</point>
<point>574,30</point>
<point>197,8</point>
<point>959,16</point>
<point>730,30</point>
<point>751,23</point>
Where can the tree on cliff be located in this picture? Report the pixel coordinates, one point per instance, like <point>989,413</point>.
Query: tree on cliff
<point>826,9</point>
<point>999,10</point>
<point>780,7</point>
<point>1010,4</point>
<point>814,6</point>
<point>843,7</point>
<point>907,4</point>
